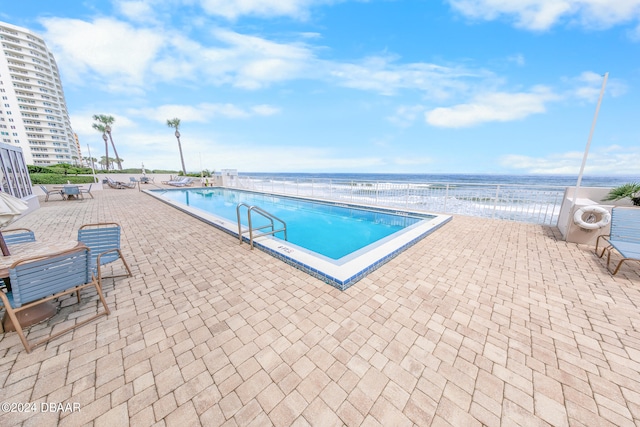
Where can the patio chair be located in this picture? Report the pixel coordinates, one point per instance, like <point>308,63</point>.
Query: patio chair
<point>13,237</point>
<point>41,279</point>
<point>184,182</point>
<point>50,192</point>
<point>18,235</point>
<point>171,179</point>
<point>86,191</point>
<point>118,184</point>
<point>111,183</point>
<point>103,239</point>
<point>624,236</point>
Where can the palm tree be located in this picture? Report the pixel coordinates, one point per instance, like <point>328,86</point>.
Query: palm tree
<point>91,161</point>
<point>102,129</point>
<point>175,123</point>
<point>104,160</point>
<point>107,121</point>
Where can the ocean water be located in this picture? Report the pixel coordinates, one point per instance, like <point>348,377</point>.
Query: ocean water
<point>526,198</point>
<point>526,180</point>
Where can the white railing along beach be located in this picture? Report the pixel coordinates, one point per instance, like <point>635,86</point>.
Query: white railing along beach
<point>524,203</point>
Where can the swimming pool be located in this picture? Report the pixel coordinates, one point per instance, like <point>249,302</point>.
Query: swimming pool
<point>336,242</point>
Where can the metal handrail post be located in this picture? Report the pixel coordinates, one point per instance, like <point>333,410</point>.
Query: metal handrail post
<point>446,196</point>
<point>495,201</point>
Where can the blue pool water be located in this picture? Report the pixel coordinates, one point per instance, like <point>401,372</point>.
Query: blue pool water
<point>327,229</point>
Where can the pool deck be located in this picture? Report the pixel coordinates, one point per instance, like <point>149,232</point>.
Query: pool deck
<point>483,322</point>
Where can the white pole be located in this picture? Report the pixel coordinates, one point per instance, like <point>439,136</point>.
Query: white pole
<point>92,168</point>
<point>586,150</point>
<point>593,126</point>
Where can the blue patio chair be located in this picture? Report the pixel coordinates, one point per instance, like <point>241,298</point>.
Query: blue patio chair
<point>624,237</point>
<point>40,279</point>
<point>15,236</point>
<point>50,192</point>
<point>86,191</point>
<point>18,235</point>
<point>103,239</point>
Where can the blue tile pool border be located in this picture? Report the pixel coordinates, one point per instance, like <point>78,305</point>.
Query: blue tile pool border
<point>341,284</point>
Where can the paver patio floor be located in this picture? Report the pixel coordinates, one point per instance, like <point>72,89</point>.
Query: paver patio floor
<point>483,322</point>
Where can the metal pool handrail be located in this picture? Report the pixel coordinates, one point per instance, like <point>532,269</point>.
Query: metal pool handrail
<point>266,215</point>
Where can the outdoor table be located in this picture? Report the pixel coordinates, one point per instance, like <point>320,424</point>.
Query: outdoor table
<point>20,251</point>
<point>64,192</point>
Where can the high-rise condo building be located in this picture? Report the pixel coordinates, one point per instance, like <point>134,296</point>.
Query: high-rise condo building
<point>33,110</point>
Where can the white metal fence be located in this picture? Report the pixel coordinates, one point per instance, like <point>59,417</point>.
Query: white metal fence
<point>525,203</point>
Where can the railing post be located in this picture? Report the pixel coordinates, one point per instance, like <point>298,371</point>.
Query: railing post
<point>495,202</point>
<point>446,196</point>
<point>406,197</point>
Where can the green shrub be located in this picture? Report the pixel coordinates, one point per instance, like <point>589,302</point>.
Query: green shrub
<point>58,169</point>
<point>51,178</point>
<point>630,190</point>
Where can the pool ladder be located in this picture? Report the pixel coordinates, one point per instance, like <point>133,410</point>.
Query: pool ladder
<point>272,219</point>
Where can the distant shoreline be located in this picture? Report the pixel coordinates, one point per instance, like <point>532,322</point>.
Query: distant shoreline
<point>523,179</point>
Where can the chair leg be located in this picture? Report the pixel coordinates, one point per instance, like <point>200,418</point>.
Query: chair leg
<point>620,264</point>
<point>125,263</point>
<point>16,324</point>
<point>126,266</point>
<point>101,295</point>
<point>603,251</point>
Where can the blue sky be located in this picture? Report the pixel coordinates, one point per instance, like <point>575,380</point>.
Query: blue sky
<point>415,86</point>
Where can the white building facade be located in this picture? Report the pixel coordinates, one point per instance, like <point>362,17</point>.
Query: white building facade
<point>33,110</point>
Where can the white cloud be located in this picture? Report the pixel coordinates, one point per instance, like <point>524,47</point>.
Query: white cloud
<point>587,86</point>
<point>252,157</point>
<point>265,110</point>
<point>543,14</point>
<point>492,107</point>
<point>257,62</point>
<point>517,59</point>
<point>298,9</point>
<point>412,161</point>
<point>158,150</point>
<point>82,123</point>
<point>611,160</point>
<point>202,113</point>
<point>382,75</point>
<point>406,115</point>
<point>84,48</point>
<point>137,10</point>
<point>157,55</point>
